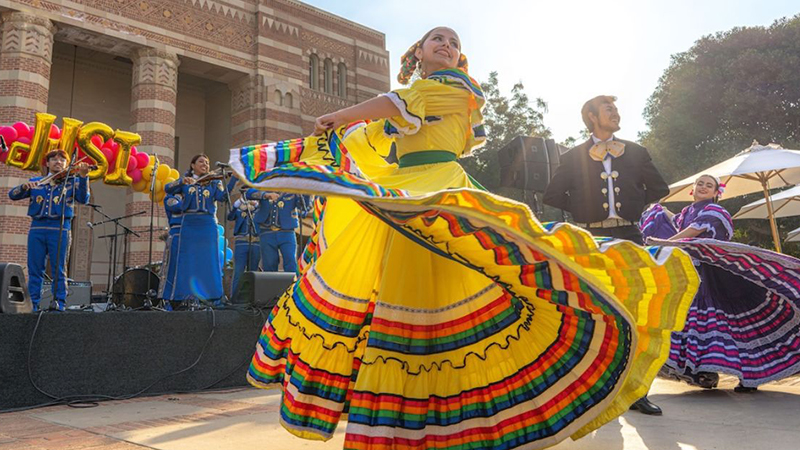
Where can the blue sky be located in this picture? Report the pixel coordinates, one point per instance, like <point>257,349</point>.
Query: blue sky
<point>566,51</point>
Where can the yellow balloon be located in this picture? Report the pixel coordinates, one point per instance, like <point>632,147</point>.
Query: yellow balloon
<point>118,176</point>
<point>158,192</point>
<point>37,149</point>
<point>140,185</point>
<point>147,172</point>
<point>174,174</point>
<point>85,142</point>
<point>163,172</point>
<point>170,180</point>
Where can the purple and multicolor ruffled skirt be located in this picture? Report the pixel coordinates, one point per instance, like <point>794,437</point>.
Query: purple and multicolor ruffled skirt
<point>745,319</point>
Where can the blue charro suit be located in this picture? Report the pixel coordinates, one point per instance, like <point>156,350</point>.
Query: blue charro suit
<point>47,204</point>
<point>245,233</point>
<point>198,263</point>
<point>173,205</point>
<point>277,221</point>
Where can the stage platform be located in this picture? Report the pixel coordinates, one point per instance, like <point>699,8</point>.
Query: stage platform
<point>118,354</point>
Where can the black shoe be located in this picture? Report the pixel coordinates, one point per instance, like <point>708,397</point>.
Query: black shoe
<point>645,406</point>
<point>705,380</point>
<point>744,390</point>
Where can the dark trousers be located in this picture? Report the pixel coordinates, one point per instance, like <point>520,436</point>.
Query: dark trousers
<point>628,232</point>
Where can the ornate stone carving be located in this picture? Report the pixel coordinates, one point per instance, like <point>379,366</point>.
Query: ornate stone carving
<point>316,103</point>
<point>26,33</point>
<point>275,25</point>
<point>246,92</point>
<point>151,66</point>
<point>327,45</point>
<point>373,58</point>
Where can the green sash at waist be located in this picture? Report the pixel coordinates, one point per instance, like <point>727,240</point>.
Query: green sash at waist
<point>426,157</point>
<point>433,157</point>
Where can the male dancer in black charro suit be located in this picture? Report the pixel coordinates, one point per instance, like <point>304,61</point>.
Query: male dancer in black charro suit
<point>606,183</point>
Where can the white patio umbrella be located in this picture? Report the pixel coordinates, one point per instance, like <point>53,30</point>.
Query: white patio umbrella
<point>793,236</point>
<point>784,204</point>
<point>758,168</point>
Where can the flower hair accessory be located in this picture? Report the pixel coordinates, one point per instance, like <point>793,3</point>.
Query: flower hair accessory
<point>720,185</point>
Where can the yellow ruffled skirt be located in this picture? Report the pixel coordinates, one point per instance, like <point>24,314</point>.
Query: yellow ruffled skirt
<point>436,315</point>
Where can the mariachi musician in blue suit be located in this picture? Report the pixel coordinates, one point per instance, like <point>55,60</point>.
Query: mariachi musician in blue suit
<point>51,200</point>
<point>173,205</point>
<point>277,220</point>
<point>245,233</point>
<point>197,266</point>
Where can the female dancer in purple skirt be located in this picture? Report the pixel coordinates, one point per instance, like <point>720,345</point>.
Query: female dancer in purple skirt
<point>745,318</point>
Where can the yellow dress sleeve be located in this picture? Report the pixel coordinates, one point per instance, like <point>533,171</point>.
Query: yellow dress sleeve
<point>426,102</point>
<point>411,105</point>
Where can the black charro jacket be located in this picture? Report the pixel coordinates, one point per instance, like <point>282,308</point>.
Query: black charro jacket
<point>577,185</point>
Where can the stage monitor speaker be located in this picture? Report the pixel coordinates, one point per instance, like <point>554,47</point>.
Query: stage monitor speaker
<point>262,289</point>
<point>14,298</point>
<point>79,293</point>
<point>525,164</point>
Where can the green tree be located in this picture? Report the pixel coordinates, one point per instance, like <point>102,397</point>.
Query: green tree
<point>724,92</point>
<point>505,118</point>
<point>727,90</point>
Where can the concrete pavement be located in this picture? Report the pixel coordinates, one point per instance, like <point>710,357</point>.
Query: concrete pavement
<point>248,418</point>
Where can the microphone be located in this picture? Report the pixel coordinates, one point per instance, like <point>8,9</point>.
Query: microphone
<point>93,205</point>
<point>220,164</point>
<point>90,225</point>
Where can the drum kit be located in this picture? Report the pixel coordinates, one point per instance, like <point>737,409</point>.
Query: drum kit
<point>136,287</point>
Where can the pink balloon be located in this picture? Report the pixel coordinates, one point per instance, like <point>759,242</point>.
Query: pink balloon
<point>136,175</point>
<point>97,140</point>
<point>55,132</point>
<point>107,152</point>
<point>142,160</point>
<point>134,151</point>
<point>113,146</point>
<point>30,132</point>
<point>22,129</point>
<point>9,134</point>
<point>24,140</point>
<point>132,164</point>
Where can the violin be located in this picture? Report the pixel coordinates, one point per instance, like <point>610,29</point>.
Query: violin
<point>59,177</point>
<point>216,174</point>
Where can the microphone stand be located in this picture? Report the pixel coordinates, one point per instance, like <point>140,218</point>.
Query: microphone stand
<point>112,251</point>
<point>228,209</point>
<point>251,229</point>
<point>150,294</point>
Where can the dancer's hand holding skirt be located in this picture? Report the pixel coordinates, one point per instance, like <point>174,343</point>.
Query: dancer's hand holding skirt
<point>432,314</point>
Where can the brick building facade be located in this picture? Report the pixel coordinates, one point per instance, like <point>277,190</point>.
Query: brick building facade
<point>189,76</point>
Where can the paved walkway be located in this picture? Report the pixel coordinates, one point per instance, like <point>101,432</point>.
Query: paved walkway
<point>248,419</point>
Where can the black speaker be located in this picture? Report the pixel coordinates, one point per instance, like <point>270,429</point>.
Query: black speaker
<point>525,164</point>
<point>14,298</point>
<point>262,289</point>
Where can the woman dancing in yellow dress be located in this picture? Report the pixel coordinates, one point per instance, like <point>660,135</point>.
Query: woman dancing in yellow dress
<point>432,314</point>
